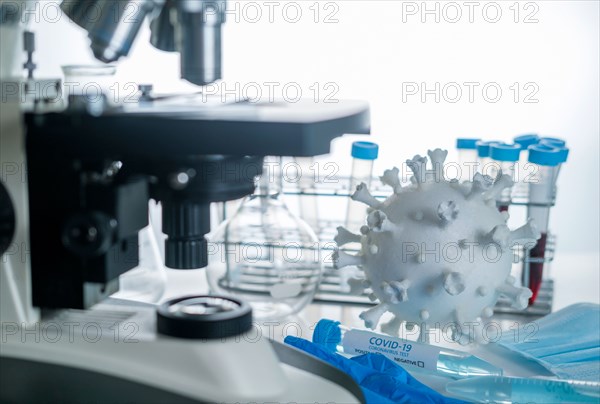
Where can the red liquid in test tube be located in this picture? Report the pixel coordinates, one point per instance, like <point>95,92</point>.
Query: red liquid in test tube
<point>536,269</point>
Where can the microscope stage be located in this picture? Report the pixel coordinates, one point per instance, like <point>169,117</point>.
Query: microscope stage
<point>178,125</point>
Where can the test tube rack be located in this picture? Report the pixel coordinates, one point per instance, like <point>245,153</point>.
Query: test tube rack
<point>332,287</point>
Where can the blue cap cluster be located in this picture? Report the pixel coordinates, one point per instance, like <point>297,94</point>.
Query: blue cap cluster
<point>526,140</point>
<point>546,151</point>
<point>365,150</point>
<point>505,152</point>
<point>483,147</point>
<point>466,143</point>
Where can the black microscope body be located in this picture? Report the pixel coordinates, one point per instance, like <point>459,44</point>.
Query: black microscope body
<point>91,176</point>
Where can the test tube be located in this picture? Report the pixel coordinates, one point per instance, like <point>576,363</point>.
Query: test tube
<point>564,155</point>
<point>364,155</point>
<point>467,157</point>
<point>308,205</point>
<point>541,195</point>
<point>524,167</point>
<point>414,355</point>
<point>505,158</point>
<point>559,144</point>
<point>483,157</point>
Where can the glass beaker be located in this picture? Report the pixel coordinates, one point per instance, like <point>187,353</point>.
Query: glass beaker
<point>264,254</point>
<point>91,81</point>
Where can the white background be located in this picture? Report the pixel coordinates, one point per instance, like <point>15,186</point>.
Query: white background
<point>370,48</point>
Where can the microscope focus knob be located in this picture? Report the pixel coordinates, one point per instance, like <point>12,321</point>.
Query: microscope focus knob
<point>204,317</point>
<point>185,224</point>
<point>186,254</point>
<point>7,220</point>
<point>89,234</point>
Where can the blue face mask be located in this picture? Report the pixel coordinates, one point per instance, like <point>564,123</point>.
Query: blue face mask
<point>566,342</point>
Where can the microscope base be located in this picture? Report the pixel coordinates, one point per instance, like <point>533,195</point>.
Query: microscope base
<point>112,354</point>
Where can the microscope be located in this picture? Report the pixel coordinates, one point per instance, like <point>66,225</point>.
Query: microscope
<point>74,191</point>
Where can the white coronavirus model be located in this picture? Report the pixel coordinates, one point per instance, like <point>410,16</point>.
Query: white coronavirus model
<point>435,253</point>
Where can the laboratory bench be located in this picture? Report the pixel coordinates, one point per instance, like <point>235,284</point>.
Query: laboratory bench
<point>576,279</point>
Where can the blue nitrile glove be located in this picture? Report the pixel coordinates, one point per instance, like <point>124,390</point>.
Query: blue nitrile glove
<point>381,380</point>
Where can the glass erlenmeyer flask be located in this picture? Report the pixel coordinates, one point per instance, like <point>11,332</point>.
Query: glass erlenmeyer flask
<point>147,282</point>
<point>264,253</point>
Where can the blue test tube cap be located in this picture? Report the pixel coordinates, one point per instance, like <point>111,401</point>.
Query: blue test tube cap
<point>545,155</point>
<point>467,143</point>
<point>483,147</point>
<point>553,141</point>
<point>526,140</point>
<point>564,154</point>
<point>328,333</point>
<point>505,152</point>
<point>365,150</point>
